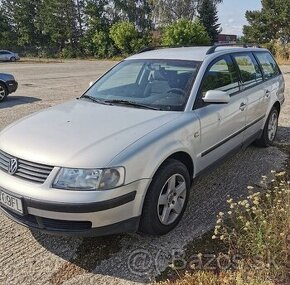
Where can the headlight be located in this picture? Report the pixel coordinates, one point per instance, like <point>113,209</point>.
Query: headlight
<point>89,179</point>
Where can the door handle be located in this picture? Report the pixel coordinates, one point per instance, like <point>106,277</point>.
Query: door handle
<point>243,106</point>
<point>268,93</point>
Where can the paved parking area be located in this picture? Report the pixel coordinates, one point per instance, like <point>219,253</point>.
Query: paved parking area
<point>33,258</point>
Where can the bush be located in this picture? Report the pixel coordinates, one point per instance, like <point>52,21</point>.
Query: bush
<point>185,32</point>
<point>103,45</point>
<point>70,52</point>
<point>280,50</point>
<point>126,37</point>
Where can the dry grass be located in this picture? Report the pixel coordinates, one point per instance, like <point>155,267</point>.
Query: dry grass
<point>239,277</point>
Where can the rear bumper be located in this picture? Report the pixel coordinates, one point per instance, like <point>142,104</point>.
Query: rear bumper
<point>12,86</point>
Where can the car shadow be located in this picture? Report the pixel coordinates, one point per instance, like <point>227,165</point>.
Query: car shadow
<point>138,258</point>
<point>12,101</point>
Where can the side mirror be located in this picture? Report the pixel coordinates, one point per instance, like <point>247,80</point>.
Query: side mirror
<point>216,97</point>
<point>92,83</point>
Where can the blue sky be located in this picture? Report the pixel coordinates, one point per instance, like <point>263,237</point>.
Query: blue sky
<point>232,14</point>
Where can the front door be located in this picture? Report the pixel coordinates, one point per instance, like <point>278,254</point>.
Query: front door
<point>222,125</point>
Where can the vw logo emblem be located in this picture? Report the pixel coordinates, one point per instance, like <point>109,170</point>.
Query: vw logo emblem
<point>12,166</point>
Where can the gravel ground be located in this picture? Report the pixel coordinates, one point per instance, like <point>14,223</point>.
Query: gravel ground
<point>34,258</point>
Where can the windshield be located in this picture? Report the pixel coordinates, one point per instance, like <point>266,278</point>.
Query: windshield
<point>154,84</point>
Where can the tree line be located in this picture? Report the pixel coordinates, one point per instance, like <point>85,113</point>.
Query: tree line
<point>270,27</point>
<point>104,28</point>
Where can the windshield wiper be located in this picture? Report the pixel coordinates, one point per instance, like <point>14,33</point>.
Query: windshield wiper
<point>95,100</point>
<point>130,103</point>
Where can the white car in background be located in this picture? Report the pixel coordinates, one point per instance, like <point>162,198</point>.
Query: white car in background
<point>6,55</point>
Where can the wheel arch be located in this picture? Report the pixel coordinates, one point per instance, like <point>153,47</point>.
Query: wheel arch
<point>277,105</point>
<point>4,83</point>
<point>184,158</point>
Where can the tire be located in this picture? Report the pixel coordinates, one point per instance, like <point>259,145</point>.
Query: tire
<point>270,130</point>
<point>12,59</point>
<point>3,92</point>
<point>163,208</point>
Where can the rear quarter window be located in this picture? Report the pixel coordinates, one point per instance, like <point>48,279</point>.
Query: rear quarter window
<point>268,64</point>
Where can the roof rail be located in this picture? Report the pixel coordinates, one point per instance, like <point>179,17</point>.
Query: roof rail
<point>163,46</point>
<point>215,46</point>
<point>148,49</point>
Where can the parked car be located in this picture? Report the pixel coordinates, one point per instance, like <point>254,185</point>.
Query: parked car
<point>8,85</point>
<point>6,55</point>
<point>122,157</point>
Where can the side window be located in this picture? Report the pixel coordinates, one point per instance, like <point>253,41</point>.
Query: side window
<point>249,69</point>
<point>268,64</point>
<point>222,75</point>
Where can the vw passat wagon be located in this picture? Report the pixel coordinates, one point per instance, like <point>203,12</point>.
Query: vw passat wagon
<point>122,157</point>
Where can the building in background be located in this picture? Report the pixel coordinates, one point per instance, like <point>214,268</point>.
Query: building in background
<point>225,39</point>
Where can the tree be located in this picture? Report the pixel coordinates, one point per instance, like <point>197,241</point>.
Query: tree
<point>184,32</point>
<point>137,12</point>
<point>168,11</point>
<point>271,23</point>
<point>96,39</point>
<point>21,14</point>
<point>207,13</point>
<point>59,24</point>
<point>7,34</point>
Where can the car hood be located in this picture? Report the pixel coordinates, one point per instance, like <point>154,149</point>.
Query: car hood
<point>6,76</point>
<point>80,133</point>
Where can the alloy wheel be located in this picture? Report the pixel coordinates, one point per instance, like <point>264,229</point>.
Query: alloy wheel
<point>2,92</point>
<point>172,199</point>
<point>272,126</point>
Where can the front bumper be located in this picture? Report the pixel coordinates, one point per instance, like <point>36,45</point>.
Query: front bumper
<point>75,213</point>
<point>72,228</point>
<point>12,86</point>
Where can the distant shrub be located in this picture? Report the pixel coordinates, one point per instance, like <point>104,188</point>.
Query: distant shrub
<point>70,52</point>
<point>280,50</point>
<point>126,37</point>
<point>103,45</point>
<point>185,32</point>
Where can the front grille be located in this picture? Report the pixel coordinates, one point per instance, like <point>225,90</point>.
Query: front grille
<point>26,170</point>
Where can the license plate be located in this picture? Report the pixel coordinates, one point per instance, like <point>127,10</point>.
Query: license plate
<point>11,202</point>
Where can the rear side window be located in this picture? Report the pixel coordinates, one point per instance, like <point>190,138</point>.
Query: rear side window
<point>249,69</point>
<point>221,75</point>
<point>269,66</point>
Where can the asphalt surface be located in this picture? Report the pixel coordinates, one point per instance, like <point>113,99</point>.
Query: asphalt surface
<point>33,258</point>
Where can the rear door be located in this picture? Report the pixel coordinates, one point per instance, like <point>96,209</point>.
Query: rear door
<point>221,125</point>
<point>252,89</point>
<point>270,71</point>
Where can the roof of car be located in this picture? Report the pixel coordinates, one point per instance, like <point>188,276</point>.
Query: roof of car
<point>188,53</point>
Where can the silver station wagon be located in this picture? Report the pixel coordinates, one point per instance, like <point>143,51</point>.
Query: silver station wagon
<point>122,157</point>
